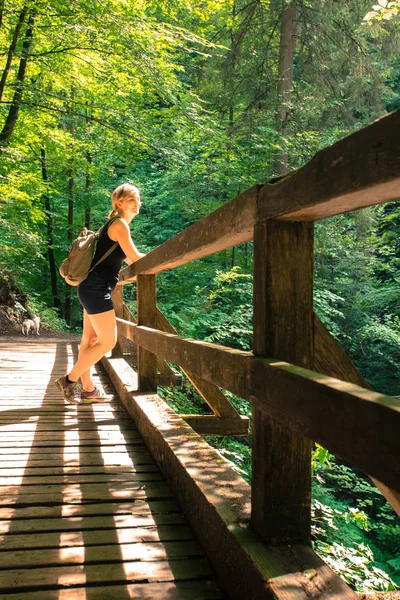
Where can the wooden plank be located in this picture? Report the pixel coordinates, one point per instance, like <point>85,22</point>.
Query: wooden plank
<point>333,413</point>
<point>147,315</point>
<point>85,454</point>
<point>217,503</point>
<point>282,327</point>
<point>129,347</point>
<point>21,442</point>
<point>185,590</point>
<point>12,527</point>
<point>218,426</point>
<point>71,422</point>
<point>51,401</point>
<point>17,579</point>
<point>134,507</point>
<point>360,170</point>
<point>70,537</point>
<point>331,360</point>
<point>111,409</point>
<point>215,399</point>
<point>125,329</point>
<point>43,471</point>
<point>117,297</point>
<point>75,461</point>
<point>100,428</point>
<point>128,315</point>
<point>123,432</point>
<point>33,452</point>
<point>166,375</point>
<point>68,419</point>
<point>21,480</point>
<point>54,438</point>
<point>87,490</point>
<point>211,394</point>
<point>50,557</point>
<point>227,226</point>
<point>77,493</point>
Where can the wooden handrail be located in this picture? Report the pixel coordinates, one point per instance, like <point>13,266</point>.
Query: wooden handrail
<point>339,415</point>
<point>292,405</point>
<point>360,170</point>
<point>216,400</point>
<point>226,420</point>
<point>228,226</point>
<point>330,359</point>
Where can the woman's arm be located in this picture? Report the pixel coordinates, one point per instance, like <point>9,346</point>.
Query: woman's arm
<point>119,232</point>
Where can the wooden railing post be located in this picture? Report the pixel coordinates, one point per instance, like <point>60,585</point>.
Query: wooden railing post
<point>283,329</point>
<point>118,302</point>
<point>147,316</point>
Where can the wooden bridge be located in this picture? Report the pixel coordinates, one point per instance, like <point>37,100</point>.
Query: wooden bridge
<point>73,516</point>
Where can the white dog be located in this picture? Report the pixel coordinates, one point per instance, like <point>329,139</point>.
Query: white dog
<point>36,321</point>
<point>31,325</point>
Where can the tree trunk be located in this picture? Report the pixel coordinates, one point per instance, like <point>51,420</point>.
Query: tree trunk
<point>285,82</point>
<point>1,12</point>
<point>233,56</point>
<point>88,183</point>
<point>11,50</point>
<point>12,116</point>
<point>71,186</point>
<point>50,238</point>
<point>71,194</point>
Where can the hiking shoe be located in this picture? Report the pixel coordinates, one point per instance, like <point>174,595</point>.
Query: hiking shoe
<point>70,391</point>
<point>95,395</point>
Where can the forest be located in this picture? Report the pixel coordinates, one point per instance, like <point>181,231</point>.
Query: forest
<point>194,102</point>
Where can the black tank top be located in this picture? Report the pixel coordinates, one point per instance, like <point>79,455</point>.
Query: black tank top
<point>110,267</point>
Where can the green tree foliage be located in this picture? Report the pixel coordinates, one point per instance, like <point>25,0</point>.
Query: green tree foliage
<point>355,296</point>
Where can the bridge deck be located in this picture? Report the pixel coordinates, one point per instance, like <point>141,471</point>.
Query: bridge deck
<point>84,511</point>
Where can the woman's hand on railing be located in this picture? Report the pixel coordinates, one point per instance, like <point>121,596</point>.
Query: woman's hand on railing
<point>128,261</point>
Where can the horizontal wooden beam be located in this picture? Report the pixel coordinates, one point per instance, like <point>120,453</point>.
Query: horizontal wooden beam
<point>228,226</point>
<point>216,501</point>
<point>219,426</point>
<point>166,374</point>
<point>211,393</point>
<point>359,425</point>
<point>362,169</point>
<point>331,360</point>
<point>217,401</point>
<point>169,380</point>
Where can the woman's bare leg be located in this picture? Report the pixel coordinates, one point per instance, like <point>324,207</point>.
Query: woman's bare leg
<point>89,338</point>
<point>105,327</point>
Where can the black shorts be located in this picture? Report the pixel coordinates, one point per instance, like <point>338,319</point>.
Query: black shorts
<point>94,294</point>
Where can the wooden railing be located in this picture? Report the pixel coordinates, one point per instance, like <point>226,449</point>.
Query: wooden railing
<point>289,376</point>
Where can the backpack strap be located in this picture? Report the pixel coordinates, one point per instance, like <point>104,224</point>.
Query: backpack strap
<point>110,249</point>
<point>104,256</point>
<point>106,224</point>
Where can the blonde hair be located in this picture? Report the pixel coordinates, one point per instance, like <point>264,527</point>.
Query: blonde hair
<point>125,189</point>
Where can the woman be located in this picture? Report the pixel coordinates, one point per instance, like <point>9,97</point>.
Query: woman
<point>94,293</point>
